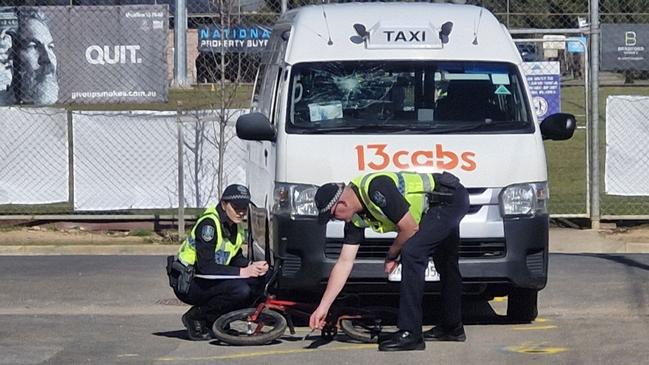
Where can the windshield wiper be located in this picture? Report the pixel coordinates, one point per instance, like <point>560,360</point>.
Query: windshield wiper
<point>364,127</point>
<point>470,127</point>
<point>403,128</point>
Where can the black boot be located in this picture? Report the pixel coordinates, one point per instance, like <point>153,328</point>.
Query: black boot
<point>439,333</point>
<point>196,325</point>
<point>403,341</point>
<point>210,318</point>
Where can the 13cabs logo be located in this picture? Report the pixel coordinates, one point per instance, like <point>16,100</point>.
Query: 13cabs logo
<point>377,157</point>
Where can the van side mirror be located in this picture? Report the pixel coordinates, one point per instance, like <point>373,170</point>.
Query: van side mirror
<point>558,127</point>
<point>255,127</point>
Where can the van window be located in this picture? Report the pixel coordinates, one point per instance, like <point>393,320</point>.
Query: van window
<point>265,83</point>
<point>256,94</point>
<point>408,97</point>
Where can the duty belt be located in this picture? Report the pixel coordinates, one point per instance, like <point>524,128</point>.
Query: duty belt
<point>444,191</point>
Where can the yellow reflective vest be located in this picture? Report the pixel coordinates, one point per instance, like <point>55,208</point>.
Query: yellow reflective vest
<point>224,249</point>
<point>413,186</point>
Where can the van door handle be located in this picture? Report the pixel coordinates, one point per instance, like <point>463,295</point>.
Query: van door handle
<point>266,157</point>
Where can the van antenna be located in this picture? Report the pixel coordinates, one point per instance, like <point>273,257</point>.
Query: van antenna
<point>476,28</point>
<point>324,14</point>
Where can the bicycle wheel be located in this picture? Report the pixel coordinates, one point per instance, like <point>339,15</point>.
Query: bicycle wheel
<point>235,328</point>
<point>369,323</point>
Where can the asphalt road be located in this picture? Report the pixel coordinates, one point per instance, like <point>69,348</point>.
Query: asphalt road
<point>119,310</point>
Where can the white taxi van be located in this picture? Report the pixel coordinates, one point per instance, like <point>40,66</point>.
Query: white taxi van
<point>350,89</point>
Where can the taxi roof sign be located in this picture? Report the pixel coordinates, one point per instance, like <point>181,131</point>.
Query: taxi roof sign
<point>388,36</point>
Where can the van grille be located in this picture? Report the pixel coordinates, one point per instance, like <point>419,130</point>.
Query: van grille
<point>378,248</point>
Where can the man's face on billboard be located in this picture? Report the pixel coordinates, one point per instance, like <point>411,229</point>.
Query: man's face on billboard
<point>37,63</point>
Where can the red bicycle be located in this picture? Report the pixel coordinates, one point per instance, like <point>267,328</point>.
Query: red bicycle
<point>269,319</point>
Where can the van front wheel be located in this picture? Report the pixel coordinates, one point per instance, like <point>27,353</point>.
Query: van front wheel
<point>522,305</point>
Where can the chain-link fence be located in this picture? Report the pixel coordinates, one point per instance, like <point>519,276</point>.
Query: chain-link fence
<point>59,162</point>
<point>624,85</point>
<point>60,59</point>
<point>556,73</point>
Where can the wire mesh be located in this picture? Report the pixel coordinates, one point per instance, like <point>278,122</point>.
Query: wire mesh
<point>624,85</point>
<point>61,57</point>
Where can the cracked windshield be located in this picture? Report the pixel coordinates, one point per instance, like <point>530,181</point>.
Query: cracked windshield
<point>409,97</point>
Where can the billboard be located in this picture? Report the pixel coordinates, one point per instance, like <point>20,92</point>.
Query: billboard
<point>624,47</point>
<point>238,38</point>
<point>90,54</point>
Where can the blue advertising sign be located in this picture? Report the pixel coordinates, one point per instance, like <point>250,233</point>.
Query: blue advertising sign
<point>577,45</point>
<point>543,79</point>
<point>237,38</point>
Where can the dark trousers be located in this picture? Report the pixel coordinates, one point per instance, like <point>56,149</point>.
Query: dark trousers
<point>438,236</point>
<point>212,298</point>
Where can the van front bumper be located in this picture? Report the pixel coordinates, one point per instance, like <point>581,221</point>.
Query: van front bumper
<point>489,266</point>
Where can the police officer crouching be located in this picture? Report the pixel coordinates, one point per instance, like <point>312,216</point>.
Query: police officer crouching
<point>425,210</point>
<point>213,247</point>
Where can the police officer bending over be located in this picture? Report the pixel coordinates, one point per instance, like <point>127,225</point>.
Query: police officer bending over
<point>214,248</point>
<point>425,210</point>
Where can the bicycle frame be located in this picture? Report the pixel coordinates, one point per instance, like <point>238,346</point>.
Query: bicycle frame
<point>287,307</point>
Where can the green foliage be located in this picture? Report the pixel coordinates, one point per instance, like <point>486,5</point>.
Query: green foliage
<point>140,233</point>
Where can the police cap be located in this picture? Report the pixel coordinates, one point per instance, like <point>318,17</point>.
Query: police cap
<point>325,198</point>
<point>237,195</point>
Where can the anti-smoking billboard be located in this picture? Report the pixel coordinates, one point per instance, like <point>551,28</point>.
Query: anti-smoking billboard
<point>83,54</point>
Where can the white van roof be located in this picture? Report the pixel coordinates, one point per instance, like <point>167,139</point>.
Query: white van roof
<point>313,26</point>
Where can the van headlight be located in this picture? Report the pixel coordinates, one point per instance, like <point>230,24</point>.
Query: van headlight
<point>295,199</point>
<point>521,200</point>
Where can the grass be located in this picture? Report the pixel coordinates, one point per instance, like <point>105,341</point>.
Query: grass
<point>140,233</point>
<point>567,159</point>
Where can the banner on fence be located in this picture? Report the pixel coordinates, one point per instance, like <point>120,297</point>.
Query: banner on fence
<point>544,80</point>
<point>130,160</point>
<point>83,54</point>
<point>33,156</point>
<point>627,168</point>
<point>237,38</point>
<point>625,47</point>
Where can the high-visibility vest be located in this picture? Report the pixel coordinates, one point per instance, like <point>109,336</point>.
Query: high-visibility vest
<point>224,250</point>
<point>413,186</point>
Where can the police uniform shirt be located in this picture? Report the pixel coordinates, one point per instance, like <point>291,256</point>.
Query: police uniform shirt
<point>206,247</point>
<point>384,193</point>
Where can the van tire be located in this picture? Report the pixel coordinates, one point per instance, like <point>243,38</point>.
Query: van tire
<point>522,305</point>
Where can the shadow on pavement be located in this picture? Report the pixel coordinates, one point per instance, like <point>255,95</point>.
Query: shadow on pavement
<point>215,342</point>
<point>474,311</point>
<point>624,260</point>
<point>181,334</point>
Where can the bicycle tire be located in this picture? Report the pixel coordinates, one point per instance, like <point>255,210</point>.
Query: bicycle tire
<point>365,329</point>
<point>223,327</point>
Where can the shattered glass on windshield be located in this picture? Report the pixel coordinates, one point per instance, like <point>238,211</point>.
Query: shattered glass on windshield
<point>405,96</point>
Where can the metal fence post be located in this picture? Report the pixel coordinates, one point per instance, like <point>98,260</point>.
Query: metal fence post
<point>284,6</point>
<point>180,43</point>
<point>181,175</point>
<point>595,123</point>
<point>70,160</point>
